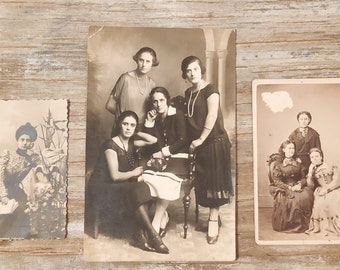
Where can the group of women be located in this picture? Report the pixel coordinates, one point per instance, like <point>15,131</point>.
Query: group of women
<point>169,130</point>
<point>305,189</point>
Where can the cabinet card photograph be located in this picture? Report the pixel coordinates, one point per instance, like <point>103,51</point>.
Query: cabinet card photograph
<point>296,161</point>
<point>33,169</point>
<point>160,145</point>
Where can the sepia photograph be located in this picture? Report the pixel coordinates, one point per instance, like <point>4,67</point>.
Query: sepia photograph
<point>296,161</point>
<point>160,145</point>
<point>33,169</point>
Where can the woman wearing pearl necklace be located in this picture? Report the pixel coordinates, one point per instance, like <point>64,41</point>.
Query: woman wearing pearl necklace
<point>209,143</point>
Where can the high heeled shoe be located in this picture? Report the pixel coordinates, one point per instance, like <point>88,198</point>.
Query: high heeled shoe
<point>158,245</point>
<point>140,241</point>
<point>213,239</point>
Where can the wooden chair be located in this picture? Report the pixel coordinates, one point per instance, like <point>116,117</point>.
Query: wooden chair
<point>183,165</point>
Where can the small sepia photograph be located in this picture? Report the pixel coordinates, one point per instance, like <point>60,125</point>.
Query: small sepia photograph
<point>33,169</point>
<point>160,145</point>
<point>296,161</point>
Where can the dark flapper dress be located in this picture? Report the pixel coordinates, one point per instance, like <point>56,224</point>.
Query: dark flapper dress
<point>213,180</point>
<point>292,209</point>
<point>108,194</point>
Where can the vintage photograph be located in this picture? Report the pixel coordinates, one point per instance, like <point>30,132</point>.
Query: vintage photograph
<point>160,145</point>
<point>33,169</point>
<point>296,161</point>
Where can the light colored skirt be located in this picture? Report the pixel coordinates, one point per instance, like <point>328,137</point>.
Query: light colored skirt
<point>163,185</point>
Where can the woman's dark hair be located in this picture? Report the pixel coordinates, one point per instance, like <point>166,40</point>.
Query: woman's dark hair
<point>283,145</point>
<point>118,125</point>
<point>187,61</point>
<point>148,50</point>
<point>315,149</point>
<point>161,90</point>
<point>27,129</point>
<point>306,113</point>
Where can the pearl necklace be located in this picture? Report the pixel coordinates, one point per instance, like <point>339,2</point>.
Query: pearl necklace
<point>141,91</point>
<point>191,113</point>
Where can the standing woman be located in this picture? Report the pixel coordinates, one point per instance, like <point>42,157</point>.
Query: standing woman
<point>305,138</point>
<point>209,142</point>
<point>132,89</point>
<point>14,167</point>
<point>116,174</point>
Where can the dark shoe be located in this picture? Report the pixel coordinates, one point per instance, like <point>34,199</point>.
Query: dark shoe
<point>158,245</point>
<point>140,241</point>
<point>162,231</point>
<point>213,239</point>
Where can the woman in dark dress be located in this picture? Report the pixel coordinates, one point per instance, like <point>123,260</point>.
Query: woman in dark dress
<point>14,167</point>
<point>116,173</point>
<point>209,142</point>
<point>293,199</point>
<point>305,138</point>
<point>168,125</point>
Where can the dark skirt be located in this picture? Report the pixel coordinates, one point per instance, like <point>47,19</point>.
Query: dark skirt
<point>292,210</point>
<point>213,180</point>
<point>17,224</point>
<point>129,195</point>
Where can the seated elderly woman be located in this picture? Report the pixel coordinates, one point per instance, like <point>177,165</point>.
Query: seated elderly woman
<point>325,217</point>
<point>293,199</point>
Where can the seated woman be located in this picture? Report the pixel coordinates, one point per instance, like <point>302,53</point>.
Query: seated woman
<point>14,167</point>
<point>117,171</point>
<point>168,125</point>
<point>326,213</point>
<point>293,199</point>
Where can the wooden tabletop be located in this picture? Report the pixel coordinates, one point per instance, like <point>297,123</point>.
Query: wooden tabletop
<point>43,55</point>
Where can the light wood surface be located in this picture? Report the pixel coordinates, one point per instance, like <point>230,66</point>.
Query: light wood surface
<point>43,55</point>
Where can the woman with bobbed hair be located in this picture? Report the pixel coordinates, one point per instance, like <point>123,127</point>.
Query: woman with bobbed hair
<point>293,199</point>
<point>209,142</point>
<point>14,167</point>
<point>131,91</point>
<point>305,138</point>
<point>116,174</point>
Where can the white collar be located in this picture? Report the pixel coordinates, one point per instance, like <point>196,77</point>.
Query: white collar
<point>171,110</point>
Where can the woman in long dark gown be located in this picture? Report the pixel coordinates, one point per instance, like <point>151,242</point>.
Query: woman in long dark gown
<point>209,142</point>
<point>293,199</point>
<point>116,173</point>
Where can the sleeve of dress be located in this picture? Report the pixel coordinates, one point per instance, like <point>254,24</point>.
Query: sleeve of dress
<point>181,132</point>
<point>277,178</point>
<point>210,89</point>
<point>4,158</point>
<point>117,89</point>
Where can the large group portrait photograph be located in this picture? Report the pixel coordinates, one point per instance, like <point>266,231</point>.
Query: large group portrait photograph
<point>160,145</point>
<point>296,161</point>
